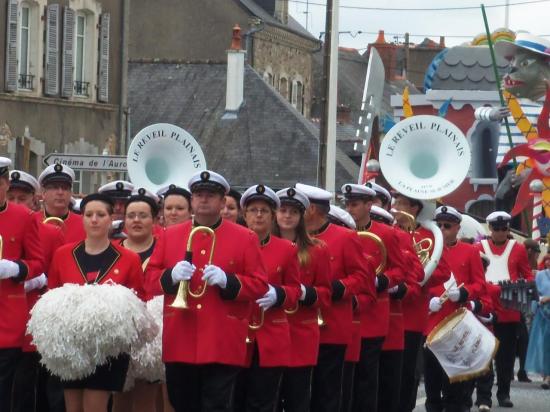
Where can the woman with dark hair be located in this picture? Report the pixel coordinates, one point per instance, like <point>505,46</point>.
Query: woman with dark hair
<point>269,335</point>
<point>314,265</point>
<point>139,220</point>
<point>232,209</point>
<point>176,205</point>
<point>96,260</point>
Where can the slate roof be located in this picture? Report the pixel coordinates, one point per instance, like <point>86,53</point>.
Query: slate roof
<point>467,68</point>
<point>269,142</point>
<point>292,24</point>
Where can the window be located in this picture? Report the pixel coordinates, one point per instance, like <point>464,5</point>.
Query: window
<point>80,83</point>
<point>25,78</point>
<point>297,95</point>
<point>283,87</point>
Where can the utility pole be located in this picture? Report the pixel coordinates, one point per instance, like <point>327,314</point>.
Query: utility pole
<point>406,65</point>
<point>326,169</point>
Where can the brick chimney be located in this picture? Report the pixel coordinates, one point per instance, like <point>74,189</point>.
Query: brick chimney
<point>442,42</point>
<point>235,73</point>
<point>380,39</point>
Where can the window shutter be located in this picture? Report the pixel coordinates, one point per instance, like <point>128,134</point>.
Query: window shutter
<point>52,50</point>
<point>104,41</point>
<point>11,47</point>
<point>68,59</point>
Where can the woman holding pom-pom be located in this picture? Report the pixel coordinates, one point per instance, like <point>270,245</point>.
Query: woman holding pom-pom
<point>96,261</point>
<point>141,213</point>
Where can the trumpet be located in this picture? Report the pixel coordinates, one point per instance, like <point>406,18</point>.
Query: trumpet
<point>381,246</point>
<point>423,253</point>
<point>260,323</point>
<point>181,300</point>
<point>54,219</point>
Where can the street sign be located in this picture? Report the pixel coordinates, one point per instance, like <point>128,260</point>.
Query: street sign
<point>94,163</point>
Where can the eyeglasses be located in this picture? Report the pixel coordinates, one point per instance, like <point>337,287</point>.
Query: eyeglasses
<point>140,216</point>
<point>500,228</point>
<point>256,211</point>
<point>445,225</point>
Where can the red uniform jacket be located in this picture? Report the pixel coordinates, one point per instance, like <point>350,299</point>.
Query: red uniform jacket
<point>467,269</point>
<point>304,329</point>
<point>415,307</point>
<point>351,274</point>
<point>375,317</point>
<point>20,244</point>
<point>273,338</point>
<point>518,267</point>
<point>51,238</point>
<point>215,327</point>
<point>125,268</point>
<point>73,229</point>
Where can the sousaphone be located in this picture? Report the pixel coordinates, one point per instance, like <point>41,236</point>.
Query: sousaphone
<point>426,158</point>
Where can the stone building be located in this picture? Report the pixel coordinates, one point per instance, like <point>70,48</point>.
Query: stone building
<point>278,47</point>
<point>62,94</point>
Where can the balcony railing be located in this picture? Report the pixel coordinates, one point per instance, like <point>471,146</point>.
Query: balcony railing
<point>26,81</point>
<point>81,88</point>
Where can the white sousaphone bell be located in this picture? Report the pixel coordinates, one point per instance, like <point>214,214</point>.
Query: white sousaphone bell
<point>425,157</point>
<point>163,154</point>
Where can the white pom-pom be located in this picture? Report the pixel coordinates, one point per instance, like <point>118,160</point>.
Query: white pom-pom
<point>146,362</point>
<point>76,328</point>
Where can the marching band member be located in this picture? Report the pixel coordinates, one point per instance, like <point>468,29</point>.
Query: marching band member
<point>374,329</point>
<point>21,258</point>
<point>119,191</point>
<point>508,262</point>
<point>176,204</point>
<point>350,275</point>
<point>141,210</point>
<point>232,209</point>
<point>24,189</point>
<point>466,284</point>
<point>30,379</point>
<point>269,349</point>
<point>204,346</point>
<point>92,261</point>
<point>415,306</point>
<point>314,267</point>
<point>56,182</point>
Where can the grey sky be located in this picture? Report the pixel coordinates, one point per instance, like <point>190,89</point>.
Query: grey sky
<point>530,17</point>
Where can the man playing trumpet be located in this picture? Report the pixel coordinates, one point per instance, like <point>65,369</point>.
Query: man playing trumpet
<point>204,346</point>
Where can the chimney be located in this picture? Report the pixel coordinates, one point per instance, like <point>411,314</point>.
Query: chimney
<point>235,73</point>
<point>281,11</point>
<point>380,39</point>
<point>343,114</point>
<point>442,42</point>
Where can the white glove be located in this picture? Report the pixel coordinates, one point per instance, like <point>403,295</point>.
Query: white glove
<point>213,275</point>
<point>269,299</point>
<point>454,294</point>
<point>435,304</point>
<point>303,295</point>
<point>182,271</point>
<point>8,269</point>
<point>36,283</point>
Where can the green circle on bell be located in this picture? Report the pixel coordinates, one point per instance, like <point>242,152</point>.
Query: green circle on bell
<point>424,165</point>
<point>157,170</point>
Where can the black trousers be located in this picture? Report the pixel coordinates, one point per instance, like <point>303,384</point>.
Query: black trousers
<point>523,342</point>
<point>200,388</point>
<point>326,393</point>
<point>365,392</point>
<point>296,389</point>
<point>29,385</point>
<point>409,380</point>
<point>506,333</point>
<point>389,380</point>
<point>347,386</point>
<point>258,387</point>
<point>441,395</point>
<point>8,362</point>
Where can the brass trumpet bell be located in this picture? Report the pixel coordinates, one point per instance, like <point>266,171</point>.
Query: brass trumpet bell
<point>181,299</point>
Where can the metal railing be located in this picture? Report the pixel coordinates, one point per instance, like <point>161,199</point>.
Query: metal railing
<point>26,81</point>
<point>81,88</point>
